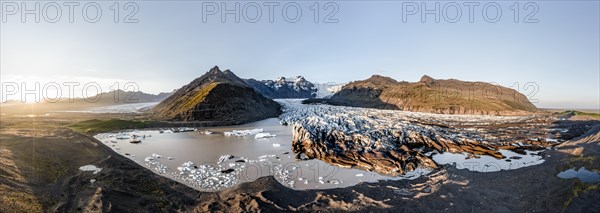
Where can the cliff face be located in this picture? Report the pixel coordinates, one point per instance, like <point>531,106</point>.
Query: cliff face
<point>217,96</point>
<point>434,96</point>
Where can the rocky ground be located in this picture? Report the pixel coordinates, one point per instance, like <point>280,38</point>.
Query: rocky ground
<point>41,156</point>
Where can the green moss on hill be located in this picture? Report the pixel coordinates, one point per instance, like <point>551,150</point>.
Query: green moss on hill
<point>198,97</point>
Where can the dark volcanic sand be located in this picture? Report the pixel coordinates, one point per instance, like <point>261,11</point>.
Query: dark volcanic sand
<point>46,157</point>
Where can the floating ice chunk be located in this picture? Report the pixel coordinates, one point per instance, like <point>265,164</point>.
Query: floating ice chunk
<point>263,135</point>
<point>276,145</point>
<point>360,175</point>
<point>321,181</point>
<point>186,129</point>
<point>154,155</point>
<point>90,168</point>
<point>242,133</point>
<point>186,167</point>
<point>122,136</point>
<point>148,159</point>
<point>266,156</point>
<point>170,158</point>
<point>224,158</point>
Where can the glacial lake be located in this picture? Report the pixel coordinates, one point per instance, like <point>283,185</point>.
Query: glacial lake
<point>210,162</point>
<point>219,160</point>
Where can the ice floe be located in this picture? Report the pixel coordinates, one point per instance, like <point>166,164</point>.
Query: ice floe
<point>224,158</point>
<point>242,133</point>
<point>264,135</point>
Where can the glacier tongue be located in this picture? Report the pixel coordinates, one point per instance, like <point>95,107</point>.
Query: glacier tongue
<point>393,142</point>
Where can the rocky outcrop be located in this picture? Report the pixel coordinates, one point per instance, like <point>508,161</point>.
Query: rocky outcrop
<point>434,96</point>
<point>217,96</point>
<point>297,87</point>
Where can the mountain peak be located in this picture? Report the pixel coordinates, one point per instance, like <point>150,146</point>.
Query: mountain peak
<point>375,93</point>
<point>215,71</point>
<point>216,75</point>
<point>381,80</point>
<point>429,81</point>
<point>217,89</point>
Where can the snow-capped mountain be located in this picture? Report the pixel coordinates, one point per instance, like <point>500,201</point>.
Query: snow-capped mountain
<point>296,87</point>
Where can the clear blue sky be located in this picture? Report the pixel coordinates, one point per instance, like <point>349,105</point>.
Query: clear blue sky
<point>171,45</point>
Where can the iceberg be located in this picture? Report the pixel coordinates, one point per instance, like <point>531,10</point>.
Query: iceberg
<point>242,133</point>
<point>264,135</point>
<point>224,158</point>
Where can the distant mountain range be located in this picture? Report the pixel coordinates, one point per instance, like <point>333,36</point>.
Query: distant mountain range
<point>107,98</point>
<point>222,96</point>
<point>432,95</point>
<point>112,98</point>
<point>218,96</point>
<point>126,97</point>
<point>297,87</point>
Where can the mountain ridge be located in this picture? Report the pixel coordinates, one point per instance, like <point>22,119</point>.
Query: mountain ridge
<point>217,96</point>
<point>281,88</point>
<point>443,96</point>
